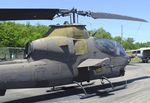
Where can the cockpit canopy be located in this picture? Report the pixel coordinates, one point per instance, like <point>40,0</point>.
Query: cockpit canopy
<point>110,47</point>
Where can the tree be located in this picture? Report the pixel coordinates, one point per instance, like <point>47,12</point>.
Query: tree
<point>101,33</point>
<point>118,39</point>
<point>13,34</point>
<point>129,43</point>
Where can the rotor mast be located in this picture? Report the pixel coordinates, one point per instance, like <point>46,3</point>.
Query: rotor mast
<point>74,11</point>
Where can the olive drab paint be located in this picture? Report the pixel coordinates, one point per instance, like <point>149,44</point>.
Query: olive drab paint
<point>67,54</point>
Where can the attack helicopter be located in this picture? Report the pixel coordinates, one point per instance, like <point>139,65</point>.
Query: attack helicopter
<point>68,54</point>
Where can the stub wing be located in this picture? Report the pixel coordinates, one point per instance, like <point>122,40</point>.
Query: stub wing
<point>94,63</point>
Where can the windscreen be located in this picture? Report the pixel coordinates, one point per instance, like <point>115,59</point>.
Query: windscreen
<point>110,47</point>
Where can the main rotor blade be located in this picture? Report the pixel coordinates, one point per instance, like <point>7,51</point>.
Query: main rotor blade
<point>100,15</point>
<point>49,14</point>
<point>27,14</point>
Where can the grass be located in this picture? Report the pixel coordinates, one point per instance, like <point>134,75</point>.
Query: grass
<point>135,60</point>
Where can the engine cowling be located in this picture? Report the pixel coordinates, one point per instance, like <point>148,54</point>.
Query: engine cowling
<point>47,48</point>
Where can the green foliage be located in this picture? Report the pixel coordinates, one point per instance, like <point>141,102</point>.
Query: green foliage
<point>128,44</point>
<point>17,35</point>
<point>101,33</point>
<point>118,39</point>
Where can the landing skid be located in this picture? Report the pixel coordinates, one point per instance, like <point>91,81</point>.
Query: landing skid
<point>113,88</point>
<point>102,82</point>
<point>65,88</point>
<point>86,95</point>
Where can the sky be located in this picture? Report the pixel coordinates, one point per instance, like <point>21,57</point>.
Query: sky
<point>136,8</point>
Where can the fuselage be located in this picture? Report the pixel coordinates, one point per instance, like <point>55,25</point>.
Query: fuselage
<point>54,60</point>
<point>57,66</point>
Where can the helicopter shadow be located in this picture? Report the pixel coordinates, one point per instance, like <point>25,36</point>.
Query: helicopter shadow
<point>99,90</point>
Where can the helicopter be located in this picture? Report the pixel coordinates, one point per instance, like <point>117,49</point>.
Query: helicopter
<point>66,55</point>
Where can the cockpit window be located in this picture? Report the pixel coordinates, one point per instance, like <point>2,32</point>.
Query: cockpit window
<point>110,47</point>
<point>120,50</point>
<point>107,46</point>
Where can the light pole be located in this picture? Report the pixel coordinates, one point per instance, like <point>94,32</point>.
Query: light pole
<point>121,33</point>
